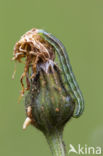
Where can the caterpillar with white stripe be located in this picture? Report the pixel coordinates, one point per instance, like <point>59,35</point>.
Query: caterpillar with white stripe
<point>67,71</point>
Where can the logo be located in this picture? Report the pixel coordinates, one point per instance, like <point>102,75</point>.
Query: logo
<point>85,150</point>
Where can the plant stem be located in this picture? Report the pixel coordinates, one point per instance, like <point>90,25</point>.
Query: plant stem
<point>56,143</point>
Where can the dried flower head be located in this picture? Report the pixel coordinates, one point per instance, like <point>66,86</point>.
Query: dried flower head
<point>35,50</point>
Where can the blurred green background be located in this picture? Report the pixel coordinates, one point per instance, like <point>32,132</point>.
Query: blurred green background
<point>79,25</point>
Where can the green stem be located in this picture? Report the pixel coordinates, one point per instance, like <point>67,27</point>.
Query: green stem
<point>56,143</point>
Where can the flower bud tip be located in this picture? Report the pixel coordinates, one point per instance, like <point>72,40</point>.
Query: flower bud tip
<point>27,122</point>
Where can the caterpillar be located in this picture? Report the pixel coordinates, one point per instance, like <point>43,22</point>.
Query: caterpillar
<point>67,70</point>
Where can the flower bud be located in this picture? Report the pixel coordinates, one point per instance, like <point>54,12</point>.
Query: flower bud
<point>51,104</point>
<point>53,95</point>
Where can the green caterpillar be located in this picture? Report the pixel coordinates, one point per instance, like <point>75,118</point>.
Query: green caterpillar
<point>67,70</point>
